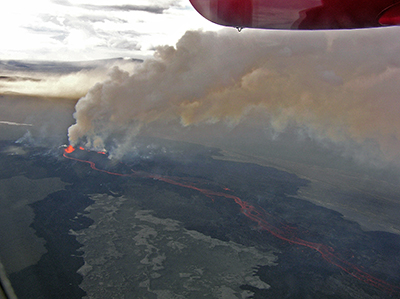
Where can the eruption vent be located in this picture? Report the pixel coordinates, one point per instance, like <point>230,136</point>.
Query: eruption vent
<point>69,149</point>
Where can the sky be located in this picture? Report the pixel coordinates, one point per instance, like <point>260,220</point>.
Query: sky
<point>69,30</point>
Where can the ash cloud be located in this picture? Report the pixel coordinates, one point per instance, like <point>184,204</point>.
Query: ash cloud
<point>338,87</point>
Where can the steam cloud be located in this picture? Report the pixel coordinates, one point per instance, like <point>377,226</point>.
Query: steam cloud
<point>338,85</point>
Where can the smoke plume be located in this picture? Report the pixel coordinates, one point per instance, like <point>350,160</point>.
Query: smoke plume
<point>337,86</point>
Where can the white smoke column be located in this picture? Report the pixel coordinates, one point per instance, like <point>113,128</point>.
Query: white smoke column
<point>341,86</point>
<point>168,86</point>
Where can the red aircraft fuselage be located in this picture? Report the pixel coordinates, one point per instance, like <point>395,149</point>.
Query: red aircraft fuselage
<point>300,14</point>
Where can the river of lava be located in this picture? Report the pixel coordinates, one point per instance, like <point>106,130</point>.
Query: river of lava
<point>263,219</point>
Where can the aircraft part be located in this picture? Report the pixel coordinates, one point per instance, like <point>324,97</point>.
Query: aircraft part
<point>391,15</point>
<point>300,14</point>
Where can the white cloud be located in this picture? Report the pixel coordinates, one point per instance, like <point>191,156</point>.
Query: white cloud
<point>79,30</point>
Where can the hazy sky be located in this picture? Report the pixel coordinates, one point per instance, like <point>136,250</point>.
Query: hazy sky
<point>88,29</point>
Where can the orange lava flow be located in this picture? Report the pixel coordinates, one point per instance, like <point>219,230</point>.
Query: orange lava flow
<point>261,217</point>
<point>68,150</point>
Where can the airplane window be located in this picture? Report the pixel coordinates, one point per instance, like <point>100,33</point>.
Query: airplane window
<point>190,160</point>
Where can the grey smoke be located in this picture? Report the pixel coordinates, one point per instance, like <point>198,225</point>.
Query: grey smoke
<point>341,86</point>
